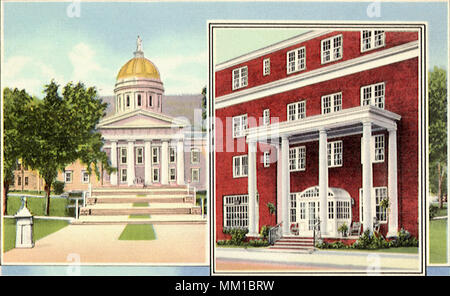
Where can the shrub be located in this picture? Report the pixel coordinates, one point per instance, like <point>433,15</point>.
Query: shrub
<point>433,211</point>
<point>237,235</point>
<point>265,231</point>
<point>58,187</point>
<point>404,239</point>
<point>258,243</point>
<point>272,208</point>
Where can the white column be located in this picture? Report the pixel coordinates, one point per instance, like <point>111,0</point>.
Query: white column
<point>252,188</point>
<point>113,155</point>
<point>180,162</point>
<point>392,184</point>
<point>147,163</point>
<point>367,178</point>
<point>165,162</point>
<point>323,180</point>
<point>279,184</point>
<point>130,163</point>
<point>285,184</point>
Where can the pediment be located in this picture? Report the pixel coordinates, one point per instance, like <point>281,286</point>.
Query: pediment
<point>141,119</point>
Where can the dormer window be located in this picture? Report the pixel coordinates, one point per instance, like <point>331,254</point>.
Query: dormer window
<point>240,77</point>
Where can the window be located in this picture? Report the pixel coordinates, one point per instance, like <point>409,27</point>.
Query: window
<point>331,210</point>
<point>139,100</point>
<point>239,125</point>
<point>84,177</point>
<point>172,154</point>
<point>331,49</point>
<point>266,117</point>
<point>19,180</point>
<point>296,110</point>
<point>123,155</point>
<point>128,101</point>
<point>26,181</point>
<point>139,155</point>
<point>155,174</point>
<point>235,211</point>
<point>373,95</point>
<point>302,211</point>
<point>335,150</point>
<point>342,209</point>
<point>380,193</point>
<point>150,100</point>
<point>266,159</point>
<point>293,208</point>
<point>296,60</point>
<point>123,175</point>
<point>172,174</point>
<point>155,155</point>
<point>331,103</point>
<point>195,155</point>
<point>240,77</point>
<point>297,159</point>
<point>67,176</point>
<point>195,175</point>
<point>266,67</point>
<point>377,144</point>
<point>371,39</point>
<point>240,166</point>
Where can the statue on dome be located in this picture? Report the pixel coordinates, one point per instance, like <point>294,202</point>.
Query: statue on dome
<point>139,44</point>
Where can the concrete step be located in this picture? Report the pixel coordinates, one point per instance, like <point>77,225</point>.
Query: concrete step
<point>136,211</point>
<point>294,243</point>
<point>137,199</point>
<point>125,219</point>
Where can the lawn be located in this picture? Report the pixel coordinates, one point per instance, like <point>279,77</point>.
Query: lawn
<point>41,228</point>
<point>140,216</point>
<point>400,250</point>
<point>138,232</point>
<point>36,205</point>
<point>438,241</point>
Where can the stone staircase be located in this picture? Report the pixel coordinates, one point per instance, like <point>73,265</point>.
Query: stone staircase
<point>294,243</point>
<point>133,205</point>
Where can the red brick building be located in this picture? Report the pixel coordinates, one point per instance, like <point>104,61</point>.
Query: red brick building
<point>324,126</point>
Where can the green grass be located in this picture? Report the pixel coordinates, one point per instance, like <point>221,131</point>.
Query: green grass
<point>138,232</point>
<point>36,205</point>
<point>438,241</point>
<point>441,212</point>
<point>400,250</point>
<point>41,228</point>
<point>140,204</point>
<point>140,216</point>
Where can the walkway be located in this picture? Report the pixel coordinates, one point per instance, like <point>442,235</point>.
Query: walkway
<point>99,244</point>
<point>255,259</point>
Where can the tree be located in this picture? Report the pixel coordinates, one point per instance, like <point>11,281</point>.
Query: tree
<point>64,131</point>
<point>437,94</point>
<point>204,101</point>
<point>17,106</point>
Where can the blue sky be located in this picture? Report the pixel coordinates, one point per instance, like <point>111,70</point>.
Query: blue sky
<point>42,42</point>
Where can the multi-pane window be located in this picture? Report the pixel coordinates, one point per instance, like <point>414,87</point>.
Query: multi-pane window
<point>155,175</point>
<point>331,103</point>
<point>266,159</point>
<point>235,211</point>
<point>172,154</point>
<point>297,158</point>
<point>239,125</point>
<point>266,117</point>
<point>296,60</point>
<point>240,166</point>
<point>373,95</point>
<point>68,176</point>
<point>302,210</point>
<point>331,210</point>
<point>293,208</point>
<point>155,155</point>
<point>123,175</point>
<point>377,144</point>
<point>240,77</point>
<point>139,155</point>
<point>195,155</point>
<point>380,212</point>
<point>342,209</point>
<point>172,174</point>
<point>335,150</point>
<point>84,177</point>
<point>331,49</point>
<point>371,39</point>
<point>195,175</point>
<point>123,155</point>
<point>296,110</point>
<point>266,67</point>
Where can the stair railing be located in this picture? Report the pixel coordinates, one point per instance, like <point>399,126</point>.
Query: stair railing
<point>316,232</point>
<point>275,233</point>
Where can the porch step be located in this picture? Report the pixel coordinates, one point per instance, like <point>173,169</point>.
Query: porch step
<point>294,243</point>
<point>138,211</point>
<point>137,199</point>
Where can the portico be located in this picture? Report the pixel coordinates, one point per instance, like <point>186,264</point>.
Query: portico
<point>325,205</point>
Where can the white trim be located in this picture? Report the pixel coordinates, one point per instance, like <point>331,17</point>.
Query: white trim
<point>85,173</point>
<point>363,63</point>
<point>266,67</point>
<point>174,175</point>
<point>372,93</point>
<point>372,40</point>
<point>266,116</point>
<point>197,180</point>
<point>239,75</point>
<point>333,105</point>
<point>193,151</point>
<point>266,159</point>
<point>157,180</point>
<point>241,125</point>
<point>139,148</point>
<point>240,205</point>
<point>66,174</point>
<point>157,154</point>
<point>332,152</point>
<point>297,159</point>
<point>121,149</point>
<point>332,57</point>
<point>238,160</point>
<point>299,111</point>
<point>297,60</point>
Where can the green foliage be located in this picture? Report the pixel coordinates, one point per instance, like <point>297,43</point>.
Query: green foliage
<point>433,211</point>
<point>58,187</point>
<point>272,208</point>
<point>237,235</point>
<point>404,239</point>
<point>343,228</point>
<point>258,243</point>
<point>265,231</point>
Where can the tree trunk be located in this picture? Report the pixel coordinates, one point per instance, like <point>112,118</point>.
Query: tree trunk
<point>47,190</point>
<point>439,186</point>
<point>5,196</point>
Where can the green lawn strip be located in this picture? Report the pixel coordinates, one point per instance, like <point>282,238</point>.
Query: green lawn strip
<point>41,228</point>
<point>140,216</point>
<point>400,250</point>
<point>138,232</point>
<point>438,241</point>
<point>36,205</point>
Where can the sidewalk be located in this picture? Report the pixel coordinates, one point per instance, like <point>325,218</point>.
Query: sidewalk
<point>256,259</point>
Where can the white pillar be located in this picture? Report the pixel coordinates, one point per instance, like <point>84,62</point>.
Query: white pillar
<point>165,162</point>
<point>279,184</point>
<point>323,180</point>
<point>147,163</point>
<point>392,184</point>
<point>180,162</point>
<point>367,178</point>
<point>130,163</point>
<point>113,156</point>
<point>252,189</point>
<point>285,185</point>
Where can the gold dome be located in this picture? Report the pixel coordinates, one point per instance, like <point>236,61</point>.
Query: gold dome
<point>139,67</point>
